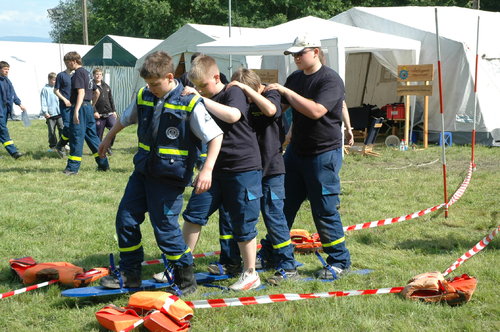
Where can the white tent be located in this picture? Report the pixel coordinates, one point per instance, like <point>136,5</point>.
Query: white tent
<point>341,42</point>
<point>30,64</point>
<point>182,44</point>
<point>457,29</point>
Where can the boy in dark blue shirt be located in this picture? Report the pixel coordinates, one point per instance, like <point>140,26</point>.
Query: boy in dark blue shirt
<point>8,97</point>
<point>82,124</point>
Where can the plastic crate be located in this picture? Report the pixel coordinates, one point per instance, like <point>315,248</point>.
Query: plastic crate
<point>394,111</point>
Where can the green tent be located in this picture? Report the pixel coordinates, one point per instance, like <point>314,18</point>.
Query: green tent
<point>117,56</point>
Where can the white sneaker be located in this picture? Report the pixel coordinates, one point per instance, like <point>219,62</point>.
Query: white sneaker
<point>246,281</point>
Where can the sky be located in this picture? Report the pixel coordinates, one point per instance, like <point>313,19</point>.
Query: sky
<point>26,19</point>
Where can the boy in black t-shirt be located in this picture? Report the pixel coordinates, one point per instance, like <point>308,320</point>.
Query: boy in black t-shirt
<point>265,117</point>
<point>237,171</point>
<point>314,156</point>
<point>82,122</point>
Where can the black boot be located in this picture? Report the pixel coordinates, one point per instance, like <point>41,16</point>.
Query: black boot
<point>130,280</point>
<point>184,279</point>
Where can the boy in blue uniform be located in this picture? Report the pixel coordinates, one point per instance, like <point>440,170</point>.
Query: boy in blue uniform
<point>8,97</point>
<point>314,156</point>
<point>170,128</point>
<point>82,124</point>
<point>265,116</point>
<point>237,172</point>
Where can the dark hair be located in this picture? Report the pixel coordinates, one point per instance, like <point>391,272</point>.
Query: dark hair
<point>73,56</point>
<point>4,64</point>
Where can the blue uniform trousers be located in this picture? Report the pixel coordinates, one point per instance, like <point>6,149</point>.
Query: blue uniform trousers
<point>85,130</point>
<point>163,202</point>
<point>277,248</point>
<point>5,139</point>
<point>66,116</point>
<point>239,194</point>
<point>316,177</point>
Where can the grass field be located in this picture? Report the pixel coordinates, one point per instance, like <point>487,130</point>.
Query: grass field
<point>53,217</point>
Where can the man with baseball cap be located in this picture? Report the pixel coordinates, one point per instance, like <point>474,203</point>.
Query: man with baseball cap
<point>314,156</point>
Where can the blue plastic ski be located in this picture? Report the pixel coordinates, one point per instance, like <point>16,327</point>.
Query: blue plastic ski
<point>150,284</point>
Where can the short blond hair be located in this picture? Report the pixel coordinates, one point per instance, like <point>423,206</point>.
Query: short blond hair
<point>203,66</point>
<point>157,65</point>
<point>52,75</point>
<point>248,77</point>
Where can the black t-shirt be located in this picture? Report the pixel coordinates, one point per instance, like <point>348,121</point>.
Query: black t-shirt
<point>63,84</point>
<point>270,135</point>
<point>81,79</point>
<point>239,151</point>
<point>311,137</point>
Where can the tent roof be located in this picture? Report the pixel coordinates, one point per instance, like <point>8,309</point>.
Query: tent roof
<point>124,51</point>
<point>188,36</point>
<point>455,23</point>
<point>274,40</point>
<point>136,46</point>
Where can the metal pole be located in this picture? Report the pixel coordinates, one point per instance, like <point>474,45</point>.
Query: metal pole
<point>230,55</point>
<point>441,108</point>
<point>475,98</point>
<point>85,28</point>
<point>57,14</point>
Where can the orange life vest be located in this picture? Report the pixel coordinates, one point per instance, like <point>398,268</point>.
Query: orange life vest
<point>433,287</point>
<point>29,271</point>
<point>115,318</point>
<point>167,313</point>
<point>159,322</point>
<point>165,302</point>
<point>63,271</point>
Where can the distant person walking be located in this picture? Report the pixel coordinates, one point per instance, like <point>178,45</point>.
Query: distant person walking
<point>8,97</point>
<point>50,111</point>
<point>105,112</point>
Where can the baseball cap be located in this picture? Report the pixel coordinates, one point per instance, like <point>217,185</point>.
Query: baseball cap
<point>301,42</point>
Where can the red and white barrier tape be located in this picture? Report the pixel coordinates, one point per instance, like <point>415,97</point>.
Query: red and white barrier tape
<point>460,191</point>
<point>26,289</point>
<point>477,248</point>
<point>390,221</point>
<point>206,254</point>
<point>264,299</point>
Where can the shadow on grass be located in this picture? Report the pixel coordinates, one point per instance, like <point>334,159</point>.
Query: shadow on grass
<point>436,246</point>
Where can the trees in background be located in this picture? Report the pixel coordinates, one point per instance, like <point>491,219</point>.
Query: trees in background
<point>160,18</point>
